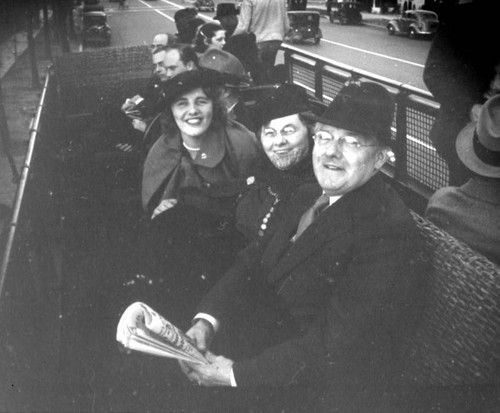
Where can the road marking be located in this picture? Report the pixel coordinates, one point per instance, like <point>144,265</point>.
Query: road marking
<point>373,53</point>
<point>158,11</point>
<point>137,10</point>
<point>181,7</point>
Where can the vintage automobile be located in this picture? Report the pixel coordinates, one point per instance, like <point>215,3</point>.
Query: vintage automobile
<point>95,28</point>
<point>347,12</point>
<point>92,5</point>
<point>207,5</point>
<point>304,25</point>
<point>414,23</point>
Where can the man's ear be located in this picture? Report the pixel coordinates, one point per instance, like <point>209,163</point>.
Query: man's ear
<point>190,65</point>
<point>382,156</point>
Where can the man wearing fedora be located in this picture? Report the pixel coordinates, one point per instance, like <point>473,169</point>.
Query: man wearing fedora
<point>471,212</point>
<point>334,290</point>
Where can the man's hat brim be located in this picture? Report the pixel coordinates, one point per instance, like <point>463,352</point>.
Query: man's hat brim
<point>466,153</point>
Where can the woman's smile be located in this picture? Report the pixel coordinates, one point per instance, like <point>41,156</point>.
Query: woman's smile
<point>193,113</point>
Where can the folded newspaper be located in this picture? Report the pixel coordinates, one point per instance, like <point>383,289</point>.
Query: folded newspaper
<point>142,329</point>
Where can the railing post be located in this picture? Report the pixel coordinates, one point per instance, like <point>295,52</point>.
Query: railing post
<point>288,64</point>
<point>400,147</point>
<point>318,80</point>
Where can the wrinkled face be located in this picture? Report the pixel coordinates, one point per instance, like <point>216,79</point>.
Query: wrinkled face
<point>219,39</point>
<point>285,141</point>
<point>169,64</point>
<point>193,113</point>
<point>344,160</point>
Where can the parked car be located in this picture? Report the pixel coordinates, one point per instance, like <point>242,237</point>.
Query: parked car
<point>95,28</point>
<point>347,12</point>
<point>207,5</point>
<point>414,23</point>
<point>304,25</point>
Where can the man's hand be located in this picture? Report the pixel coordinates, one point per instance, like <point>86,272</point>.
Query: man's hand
<point>216,373</point>
<point>131,103</point>
<point>163,206</point>
<point>140,125</point>
<point>201,334</point>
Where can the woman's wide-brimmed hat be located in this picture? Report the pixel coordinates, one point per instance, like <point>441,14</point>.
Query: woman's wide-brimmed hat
<point>285,100</point>
<point>187,81</point>
<point>478,143</point>
<point>363,107</point>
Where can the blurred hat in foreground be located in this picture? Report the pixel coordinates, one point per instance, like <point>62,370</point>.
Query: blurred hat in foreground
<point>227,65</point>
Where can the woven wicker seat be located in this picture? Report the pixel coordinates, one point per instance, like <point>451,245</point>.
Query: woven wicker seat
<point>458,342</point>
<point>83,79</point>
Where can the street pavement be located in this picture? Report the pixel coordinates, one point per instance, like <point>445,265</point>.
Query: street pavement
<point>20,101</point>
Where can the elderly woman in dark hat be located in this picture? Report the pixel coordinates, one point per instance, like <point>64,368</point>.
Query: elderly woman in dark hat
<point>286,138</point>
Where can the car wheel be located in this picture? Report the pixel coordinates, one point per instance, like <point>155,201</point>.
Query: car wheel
<point>413,33</point>
<point>391,30</point>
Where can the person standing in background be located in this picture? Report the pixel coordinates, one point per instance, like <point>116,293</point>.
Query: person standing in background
<point>268,20</point>
<point>458,73</point>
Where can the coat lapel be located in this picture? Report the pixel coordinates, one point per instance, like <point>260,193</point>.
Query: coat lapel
<point>333,223</point>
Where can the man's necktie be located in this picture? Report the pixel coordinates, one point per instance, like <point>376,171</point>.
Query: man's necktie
<point>311,214</point>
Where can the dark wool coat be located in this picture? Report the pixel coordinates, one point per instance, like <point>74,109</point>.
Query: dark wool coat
<point>346,289</point>
<point>227,154</point>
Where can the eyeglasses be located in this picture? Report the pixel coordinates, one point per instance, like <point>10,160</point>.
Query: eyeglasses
<point>156,46</point>
<point>324,139</point>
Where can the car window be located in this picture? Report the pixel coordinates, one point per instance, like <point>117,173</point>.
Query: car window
<point>428,16</point>
<point>97,20</point>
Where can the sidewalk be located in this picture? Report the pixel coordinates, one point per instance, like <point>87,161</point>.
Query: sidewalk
<point>20,101</point>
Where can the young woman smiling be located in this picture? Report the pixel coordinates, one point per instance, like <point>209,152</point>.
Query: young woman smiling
<point>192,177</point>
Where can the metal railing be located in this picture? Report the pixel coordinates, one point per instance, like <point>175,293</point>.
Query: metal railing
<point>34,131</point>
<point>415,164</point>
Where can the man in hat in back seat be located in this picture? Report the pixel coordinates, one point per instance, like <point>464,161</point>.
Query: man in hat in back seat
<point>471,212</point>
